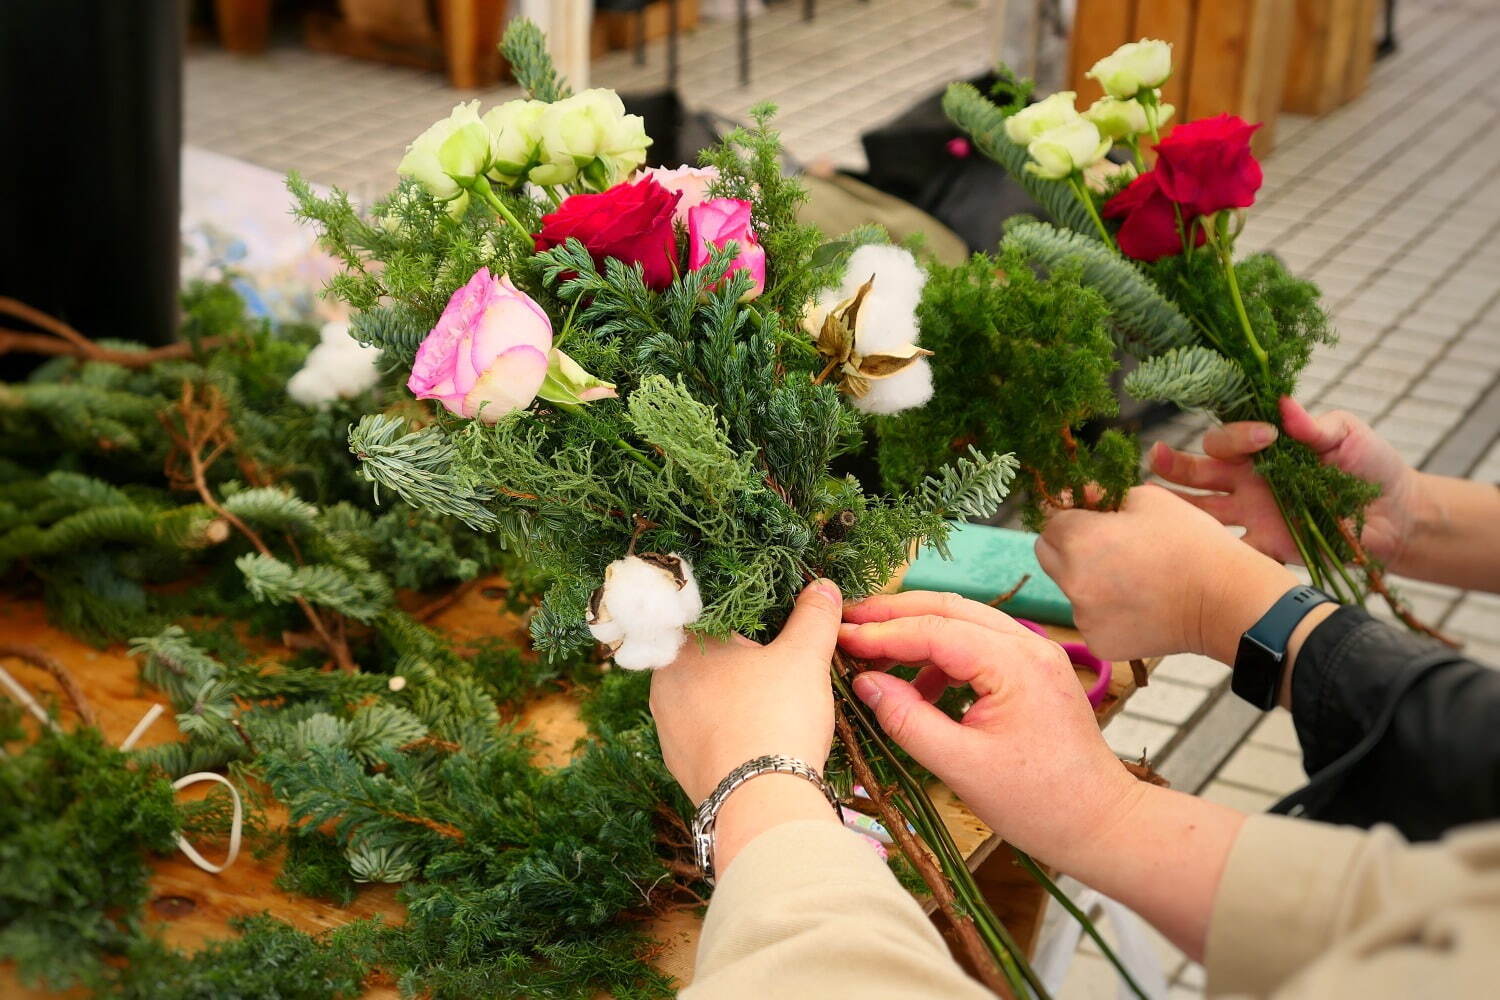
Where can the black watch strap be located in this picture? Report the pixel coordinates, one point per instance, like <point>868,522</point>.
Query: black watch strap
<point>1262,651</point>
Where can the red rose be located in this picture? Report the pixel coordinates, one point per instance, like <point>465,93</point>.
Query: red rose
<point>1207,165</point>
<point>1149,231</point>
<point>629,222</point>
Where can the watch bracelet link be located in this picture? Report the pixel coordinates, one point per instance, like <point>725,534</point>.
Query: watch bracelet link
<point>707,815</point>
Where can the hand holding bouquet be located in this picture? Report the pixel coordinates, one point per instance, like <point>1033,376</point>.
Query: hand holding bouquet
<point>1213,333</point>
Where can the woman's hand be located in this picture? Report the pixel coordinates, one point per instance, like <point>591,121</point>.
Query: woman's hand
<point>1158,577</point>
<point>1242,498</point>
<point>1027,757</point>
<point>726,702</point>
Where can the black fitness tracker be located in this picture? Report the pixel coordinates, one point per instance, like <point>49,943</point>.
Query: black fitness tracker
<point>1257,663</point>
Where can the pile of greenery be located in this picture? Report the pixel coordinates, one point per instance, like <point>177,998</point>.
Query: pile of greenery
<point>390,746</point>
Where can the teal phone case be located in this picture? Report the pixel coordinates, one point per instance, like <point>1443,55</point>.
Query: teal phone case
<point>986,563</point>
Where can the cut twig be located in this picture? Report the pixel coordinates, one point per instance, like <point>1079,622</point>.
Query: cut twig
<point>1006,597</point>
<point>62,340</point>
<point>1376,579</point>
<point>442,603</point>
<point>927,868</point>
<point>42,661</point>
<point>200,434</point>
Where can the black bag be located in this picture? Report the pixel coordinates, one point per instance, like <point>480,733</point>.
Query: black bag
<point>915,157</point>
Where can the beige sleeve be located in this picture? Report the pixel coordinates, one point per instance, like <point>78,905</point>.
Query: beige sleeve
<point>807,910</point>
<point>1308,911</point>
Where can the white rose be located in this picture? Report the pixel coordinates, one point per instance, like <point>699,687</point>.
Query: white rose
<point>590,134</point>
<point>515,129</point>
<point>1133,67</point>
<point>451,151</point>
<point>1117,119</point>
<point>1066,149</point>
<point>1043,116</point>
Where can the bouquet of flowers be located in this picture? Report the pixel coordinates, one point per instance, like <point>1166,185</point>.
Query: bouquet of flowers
<point>1157,242</point>
<point>641,379</point>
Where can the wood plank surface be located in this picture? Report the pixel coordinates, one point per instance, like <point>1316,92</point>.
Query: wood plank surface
<point>190,906</point>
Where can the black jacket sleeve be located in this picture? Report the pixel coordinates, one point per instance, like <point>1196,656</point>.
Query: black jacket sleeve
<point>1394,729</point>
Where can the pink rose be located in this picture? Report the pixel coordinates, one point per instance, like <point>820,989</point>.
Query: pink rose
<point>488,354</point>
<point>719,222</point>
<point>691,182</point>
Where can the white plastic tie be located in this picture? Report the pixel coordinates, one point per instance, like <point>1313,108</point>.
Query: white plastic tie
<point>236,820</point>
<point>236,823</point>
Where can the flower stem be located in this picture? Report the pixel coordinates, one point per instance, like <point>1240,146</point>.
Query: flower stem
<point>1219,235</point>
<point>1081,190</point>
<point>487,195</point>
<point>1036,872</point>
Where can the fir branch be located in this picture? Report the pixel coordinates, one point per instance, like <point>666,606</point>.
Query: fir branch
<point>357,594</point>
<point>972,487</point>
<point>272,508</point>
<point>1193,378</point>
<point>1147,322</point>
<point>417,467</point>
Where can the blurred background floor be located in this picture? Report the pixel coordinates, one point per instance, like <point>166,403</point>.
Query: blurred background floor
<point>1381,203</point>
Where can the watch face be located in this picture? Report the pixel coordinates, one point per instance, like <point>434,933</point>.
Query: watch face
<point>1257,673</point>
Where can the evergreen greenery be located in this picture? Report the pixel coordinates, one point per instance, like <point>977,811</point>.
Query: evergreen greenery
<point>1022,362</point>
<point>1229,337</point>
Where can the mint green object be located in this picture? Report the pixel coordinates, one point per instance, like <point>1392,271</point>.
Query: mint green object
<point>986,563</point>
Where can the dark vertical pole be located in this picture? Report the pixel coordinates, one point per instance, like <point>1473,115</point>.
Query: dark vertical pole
<point>92,125</point>
<point>809,8</point>
<point>640,36</point>
<point>1388,43</point>
<point>744,19</point>
<point>672,23</point>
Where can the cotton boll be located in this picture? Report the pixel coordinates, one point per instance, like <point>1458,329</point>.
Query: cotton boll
<point>898,279</point>
<point>642,607</point>
<point>339,367</point>
<point>906,389</point>
<point>649,654</point>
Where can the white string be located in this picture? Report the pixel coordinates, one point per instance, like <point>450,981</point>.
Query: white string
<point>235,823</point>
<point>152,714</point>
<point>22,695</point>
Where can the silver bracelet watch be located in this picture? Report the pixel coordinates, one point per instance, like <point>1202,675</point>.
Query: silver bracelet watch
<point>708,813</point>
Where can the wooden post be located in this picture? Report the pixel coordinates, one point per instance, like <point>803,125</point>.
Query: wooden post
<point>1239,53</point>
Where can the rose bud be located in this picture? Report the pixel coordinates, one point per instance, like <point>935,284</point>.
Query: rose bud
<point>489,352</point>
<point>714,225</point>
<point>1066,150</point>
<point>1133,67</point>
<point>1043,116</point>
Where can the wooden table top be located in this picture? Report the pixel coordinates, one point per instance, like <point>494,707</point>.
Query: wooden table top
<point>190,906</point>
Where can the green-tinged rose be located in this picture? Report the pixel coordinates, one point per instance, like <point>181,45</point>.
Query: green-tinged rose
<point>1043,116</point>
<point>1117,119</point>
<point>589,135</point>
<point>568,385</point>
<point>451,152</point>
<point>1066,149</point>
<point>515,138</point>
<point>1133,67</point>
